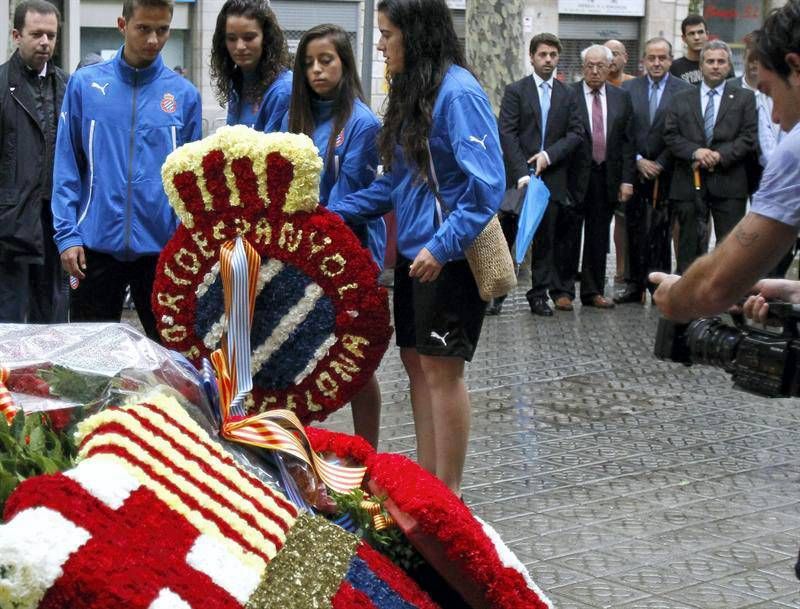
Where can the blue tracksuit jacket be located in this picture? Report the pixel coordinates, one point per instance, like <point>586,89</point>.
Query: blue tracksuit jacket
<point>468,162</point>
<point>274,105</point>
<point>117,126</point>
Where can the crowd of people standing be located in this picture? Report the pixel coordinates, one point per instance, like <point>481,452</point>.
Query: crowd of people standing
<point>663,154</point>
<point>81,194</point>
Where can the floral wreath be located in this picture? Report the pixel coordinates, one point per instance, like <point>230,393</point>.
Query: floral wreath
<point>473,552</point>
<point>321,322</point>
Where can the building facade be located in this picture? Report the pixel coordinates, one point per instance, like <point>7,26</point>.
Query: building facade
<point>90,26</point>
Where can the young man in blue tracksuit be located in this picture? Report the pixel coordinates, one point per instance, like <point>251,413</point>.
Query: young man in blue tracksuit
<point>119,121</point>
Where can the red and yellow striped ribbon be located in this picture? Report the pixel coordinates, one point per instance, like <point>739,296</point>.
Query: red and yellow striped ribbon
<point>7,406</point>
<point>282,430</point>
<point>275,429</point>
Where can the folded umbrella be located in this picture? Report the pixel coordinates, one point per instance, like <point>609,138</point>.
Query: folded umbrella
<point>533,207</point>
<point>701,213</point>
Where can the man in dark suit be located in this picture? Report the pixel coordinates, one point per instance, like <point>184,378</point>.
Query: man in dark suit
<point>714,129</point>
<point>539,130</point>
<point>651,95</point>
<point>607,165</point>
<point>33,288</point>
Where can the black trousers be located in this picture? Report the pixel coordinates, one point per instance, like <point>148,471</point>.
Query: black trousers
<point>101,294</point>
<point>34,293</point>
<point>598,211</point>
<point>726,214</point>
<point>554,257</point>
<point>648,221</point>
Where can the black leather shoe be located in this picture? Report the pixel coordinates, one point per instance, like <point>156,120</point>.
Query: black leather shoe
<point>629,295</point>
<point>539,306</point>
<point>495,307</point>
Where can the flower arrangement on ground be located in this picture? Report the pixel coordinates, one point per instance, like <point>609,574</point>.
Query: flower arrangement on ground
<point>321,322</point>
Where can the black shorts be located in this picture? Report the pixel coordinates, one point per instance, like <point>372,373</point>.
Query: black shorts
<point>441,317</point>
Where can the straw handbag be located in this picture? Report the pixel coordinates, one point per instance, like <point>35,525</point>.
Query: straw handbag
<point>489,257</point>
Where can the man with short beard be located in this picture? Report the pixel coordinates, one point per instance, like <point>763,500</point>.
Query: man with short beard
<point>540,129</point>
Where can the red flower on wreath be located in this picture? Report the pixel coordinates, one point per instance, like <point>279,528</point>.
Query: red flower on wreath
<point>322,321</point>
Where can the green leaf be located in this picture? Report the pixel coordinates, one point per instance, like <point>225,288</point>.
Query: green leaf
<point>74,386</point>
<point>37,440</point>
<point>17,424</point>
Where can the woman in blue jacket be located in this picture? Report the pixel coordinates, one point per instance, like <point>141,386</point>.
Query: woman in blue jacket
<point>328,105</point>
<point>250,65</point>
<point>444,177</point>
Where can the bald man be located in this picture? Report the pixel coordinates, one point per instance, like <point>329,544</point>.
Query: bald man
<point>616,72</point>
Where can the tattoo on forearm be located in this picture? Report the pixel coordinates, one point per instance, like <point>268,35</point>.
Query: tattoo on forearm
<point>744,237</point>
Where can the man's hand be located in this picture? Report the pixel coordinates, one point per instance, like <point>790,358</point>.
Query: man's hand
<point>523,182</point>
<point>648,169</point>
<point>625,192</point>
<point>540,162</point>
<point>425,267</point>
<point>73,260</point>
<point>756,306</point>
<point>661,296</point>
<point>706,157</point>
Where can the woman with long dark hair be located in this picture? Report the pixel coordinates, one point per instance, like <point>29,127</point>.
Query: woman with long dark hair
<point>250,65</point>
<point>328,105</point>
<point>444,177</point>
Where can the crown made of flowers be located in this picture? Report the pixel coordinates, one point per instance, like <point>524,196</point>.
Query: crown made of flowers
<point>242,170</point>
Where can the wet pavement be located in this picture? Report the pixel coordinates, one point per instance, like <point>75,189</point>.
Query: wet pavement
<point>620,480</point>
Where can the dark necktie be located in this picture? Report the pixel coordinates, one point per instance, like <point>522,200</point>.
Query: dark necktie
<point>653,102</point>
<point>598,133</point>
<point>708,117</point>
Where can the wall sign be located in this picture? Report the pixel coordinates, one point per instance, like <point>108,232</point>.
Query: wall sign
<point>625,8</point>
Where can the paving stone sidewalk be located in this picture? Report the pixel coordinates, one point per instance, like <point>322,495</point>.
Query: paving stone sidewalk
<point>622,481</point>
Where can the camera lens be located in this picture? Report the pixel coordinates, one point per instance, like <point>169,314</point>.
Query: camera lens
<point>712,342</point>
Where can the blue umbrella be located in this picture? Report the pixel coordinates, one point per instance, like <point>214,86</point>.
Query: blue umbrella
<point>533,207</point>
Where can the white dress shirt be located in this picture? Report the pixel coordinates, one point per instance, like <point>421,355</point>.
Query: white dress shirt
<point>538,80</point>
<point>588,96</point>
<point>769,133</point>
<point>704,89</point>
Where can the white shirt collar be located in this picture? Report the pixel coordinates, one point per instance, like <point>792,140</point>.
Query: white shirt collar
<point>587,90</point>
<point>661,83</point>
<point>539,80</point>
<point>704,89</point>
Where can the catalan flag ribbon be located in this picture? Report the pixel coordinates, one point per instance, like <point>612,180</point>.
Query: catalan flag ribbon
<point>275,429</point>
<point>7,406</point>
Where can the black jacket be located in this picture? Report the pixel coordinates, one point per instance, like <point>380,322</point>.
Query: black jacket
<point>649,139</point>
<point>735,137</point>
<point>22,146</point>
<point>620,166</point>
<point>521,133</point>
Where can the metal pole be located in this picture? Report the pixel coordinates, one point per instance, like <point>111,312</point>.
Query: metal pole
<point>367,50</point>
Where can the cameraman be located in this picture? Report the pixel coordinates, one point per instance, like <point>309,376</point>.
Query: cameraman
<point>716,281</point>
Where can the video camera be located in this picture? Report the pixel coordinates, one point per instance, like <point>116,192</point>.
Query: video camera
<point>760,361</point>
